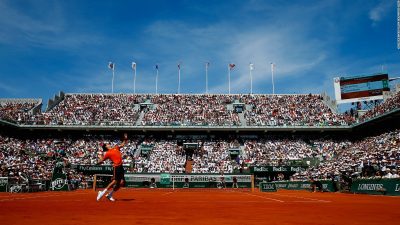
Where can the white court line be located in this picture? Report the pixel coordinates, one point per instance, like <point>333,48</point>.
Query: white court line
<point>377,195</point>
<point>258,196</point>
<point>308,201</point>
<point>313,199</point>
<point>40,196</point>
<point>202,201</point>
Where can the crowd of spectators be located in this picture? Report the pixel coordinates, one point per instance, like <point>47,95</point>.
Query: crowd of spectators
<point>31,157</point>
<point>16,111</point>
<point>368,157</point>
<point>36,158</point>
<point>279,151</point>
<point>291,110</point>
<point>191,110</point>
<point>387,106</point>
<point>92,109</point>
<point>377,156</point>
<point>164,157</point>
<point>214,157</point>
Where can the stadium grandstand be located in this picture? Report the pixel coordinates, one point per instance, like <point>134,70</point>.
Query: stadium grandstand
<point>200,134</point>
<point>188,111</point>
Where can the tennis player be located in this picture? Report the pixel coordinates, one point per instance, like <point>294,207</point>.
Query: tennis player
<point>118,179</point>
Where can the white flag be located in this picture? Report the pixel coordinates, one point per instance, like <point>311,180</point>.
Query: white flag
<point>251,66</point>
<point>272,66</point>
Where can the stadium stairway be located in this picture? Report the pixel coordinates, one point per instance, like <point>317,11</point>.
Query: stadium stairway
<point>243,152</point>
<point>242,119</point>
<point>137,152</point>
<point>188,166</point>
<point>139,120</point>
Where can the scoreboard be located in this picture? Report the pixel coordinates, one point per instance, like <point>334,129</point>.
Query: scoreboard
<point>360,88</point>
<point>190,146</point>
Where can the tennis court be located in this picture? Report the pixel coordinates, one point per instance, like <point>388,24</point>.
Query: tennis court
<point>162,206</point>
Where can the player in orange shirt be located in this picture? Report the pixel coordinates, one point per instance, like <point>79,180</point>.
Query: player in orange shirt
<point>118,180</point>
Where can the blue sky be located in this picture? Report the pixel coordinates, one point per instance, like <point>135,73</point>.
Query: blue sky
<point>48,46</point>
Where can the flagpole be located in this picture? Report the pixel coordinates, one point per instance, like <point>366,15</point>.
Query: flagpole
<point>134,83</point>
<point>157,82</point>
<point>134,78</point>
<point>229,80</point>
<point>179,79</point>
<point>207,78</point>
<point>251,80</point>
<point>272,72</point>
<point>112,82</point>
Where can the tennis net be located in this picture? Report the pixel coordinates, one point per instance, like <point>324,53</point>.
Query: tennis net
<point>236,182</point>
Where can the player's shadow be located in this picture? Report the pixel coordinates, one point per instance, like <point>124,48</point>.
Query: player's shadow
<point>126,199</point>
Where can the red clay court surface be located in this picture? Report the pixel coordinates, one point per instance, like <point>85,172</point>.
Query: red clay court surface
<point>135,206</point>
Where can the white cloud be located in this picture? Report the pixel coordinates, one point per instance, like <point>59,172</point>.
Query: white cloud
<point>294,55</point>
<point>222,43</point>
<point>283,35</point>
<point>377,13</point>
